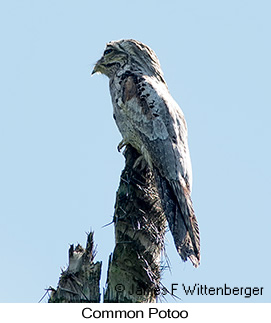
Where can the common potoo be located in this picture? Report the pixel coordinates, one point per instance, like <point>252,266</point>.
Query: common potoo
<point>152,122</point>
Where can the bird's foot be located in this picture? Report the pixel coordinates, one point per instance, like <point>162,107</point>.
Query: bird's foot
<point>122,144</point>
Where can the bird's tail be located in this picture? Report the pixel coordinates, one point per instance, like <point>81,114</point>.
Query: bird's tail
<point>177,204</point>
<point>189,244</point>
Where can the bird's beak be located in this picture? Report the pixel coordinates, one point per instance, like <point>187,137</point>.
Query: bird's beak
<point>97,68</point>
<point>94,70</point>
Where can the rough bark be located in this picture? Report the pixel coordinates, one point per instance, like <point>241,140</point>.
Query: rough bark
<point>134,268</point>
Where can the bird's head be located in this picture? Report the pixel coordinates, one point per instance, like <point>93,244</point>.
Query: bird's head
<point>112,60</point>
<point>128,54</point>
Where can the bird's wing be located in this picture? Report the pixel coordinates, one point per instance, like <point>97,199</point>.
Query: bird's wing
<point>159,120</point>
<point>160,124</point>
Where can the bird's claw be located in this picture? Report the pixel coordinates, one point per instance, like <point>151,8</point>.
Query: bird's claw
<point>122,144</point>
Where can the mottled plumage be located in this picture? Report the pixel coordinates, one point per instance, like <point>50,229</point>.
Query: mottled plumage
<point>152,122</point>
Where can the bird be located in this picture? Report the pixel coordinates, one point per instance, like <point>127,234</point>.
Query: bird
<point>151,121</point>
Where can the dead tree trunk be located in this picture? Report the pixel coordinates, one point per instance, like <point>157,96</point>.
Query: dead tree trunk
<point>80,282</point>
<point>134,269</point>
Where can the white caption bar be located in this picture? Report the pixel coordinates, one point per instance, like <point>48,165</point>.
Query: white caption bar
<point>166,312</point>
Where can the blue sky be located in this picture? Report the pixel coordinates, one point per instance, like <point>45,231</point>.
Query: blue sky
<point>59,166</point>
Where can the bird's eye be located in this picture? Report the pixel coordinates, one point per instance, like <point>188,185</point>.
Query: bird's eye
<point>107,51</point>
